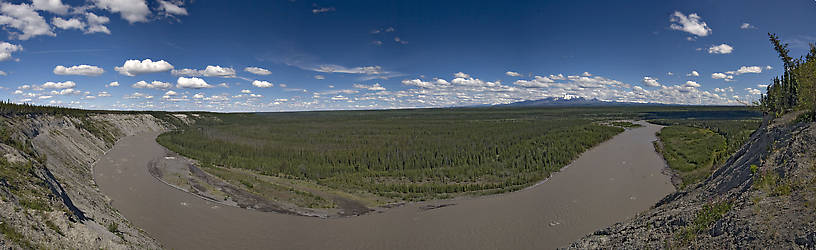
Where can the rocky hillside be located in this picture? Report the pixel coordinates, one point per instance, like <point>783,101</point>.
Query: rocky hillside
<point>49,198</point>
<point>763,196</point>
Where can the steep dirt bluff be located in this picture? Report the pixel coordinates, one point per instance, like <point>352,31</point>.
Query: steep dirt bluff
<point>763,196</point>
<point>49,198</point>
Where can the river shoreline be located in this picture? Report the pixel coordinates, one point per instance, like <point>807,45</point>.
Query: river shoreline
<point>608,183</point>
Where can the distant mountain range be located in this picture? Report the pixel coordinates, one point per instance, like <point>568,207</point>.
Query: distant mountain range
<point>568,101</point>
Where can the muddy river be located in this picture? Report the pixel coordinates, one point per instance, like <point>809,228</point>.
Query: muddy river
<point>609,183</point>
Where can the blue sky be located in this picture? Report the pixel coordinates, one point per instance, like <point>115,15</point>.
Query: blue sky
<point>317,55</point>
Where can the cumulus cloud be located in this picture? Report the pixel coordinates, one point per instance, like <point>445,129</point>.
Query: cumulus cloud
<point>692,84</point>
<point>53,6</point>
<point>59,85</point>
<point>152,85</point>
<point>172,8</point>
<point>537,82</point>
<point>23,22</point>
<point>72,23</point>
<point>258,71</point>
<point>746,26</point>
<point>375,87</point>
<point>131,10</point>
<point>96,24</point>
<point>113,84</point>
<point>209,71</point>
<point>753,91</point>
<point>246,91</point>
<point>721,49</point>
<point>691,24</point>
<point>749,69</point>
<point>651,82</point>
<point>511,73</point>
<point>418,83</point>
<point>262,84</point>
<point>693,73</point>
<point>67,91</point>
<point>136,67</point>
<point>726,77</point>
<point>319,77</point>
<point>6,49</point>
<point>192,83</point>
<point>83,70</point>
<point>3,73</point>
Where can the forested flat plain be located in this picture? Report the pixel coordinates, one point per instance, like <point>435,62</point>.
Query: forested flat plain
<point>413,154</point>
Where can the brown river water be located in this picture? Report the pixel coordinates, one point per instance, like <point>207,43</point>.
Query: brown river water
<point>609,183</point>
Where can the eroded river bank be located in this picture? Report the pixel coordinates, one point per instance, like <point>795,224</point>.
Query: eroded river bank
<point>608,183</point>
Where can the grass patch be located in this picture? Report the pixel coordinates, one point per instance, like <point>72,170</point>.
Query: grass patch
<point>703,220</point>
<point>691,151</point>
<point>14,236</point>
<point>270,190</point>
<point>626,124</point>
<point>770,183</point>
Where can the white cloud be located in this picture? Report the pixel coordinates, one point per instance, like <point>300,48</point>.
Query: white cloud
<point>72,23</point>
<point>191,83</point>
<point>83,70</point>
<point>322,10</point>
<point>136,67</point>
<point>375,87</point>
<point>753,91</point>
<point>103,94</point>
<point>691,24</point>
<point>96,24</point>
<point>418,83</point>
<point>6,49</point>
<point>762,86</point>
<point>651,82</point>
<point>726,77</point>
<point>319,77</point>
<point>131,10</point>
<point>172,8</point>
<point>59,85</point>
<point>246,91</point>
<point>721,49</point>
<point>746,26</point>
<point>693,73</point>
<point>670,73</point>
<point>24,19</point>
<point>3,73</point>
<point>768,67</point>
<point>209,71</point>
<point>113,84</point>
<point>262,84</point>
<point>537,82</point>
<point>53,6</point>
<point>692,84</point>
<point>258,71</point>
<point>67,91</point>
<point>152,85</point>
<point>198,96</point>
<point>749,69</point>
<point>586,74</point>
<point>511,73</point>
<point>461,75</point>
<point>723,90</point>
<point>399,40</point>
